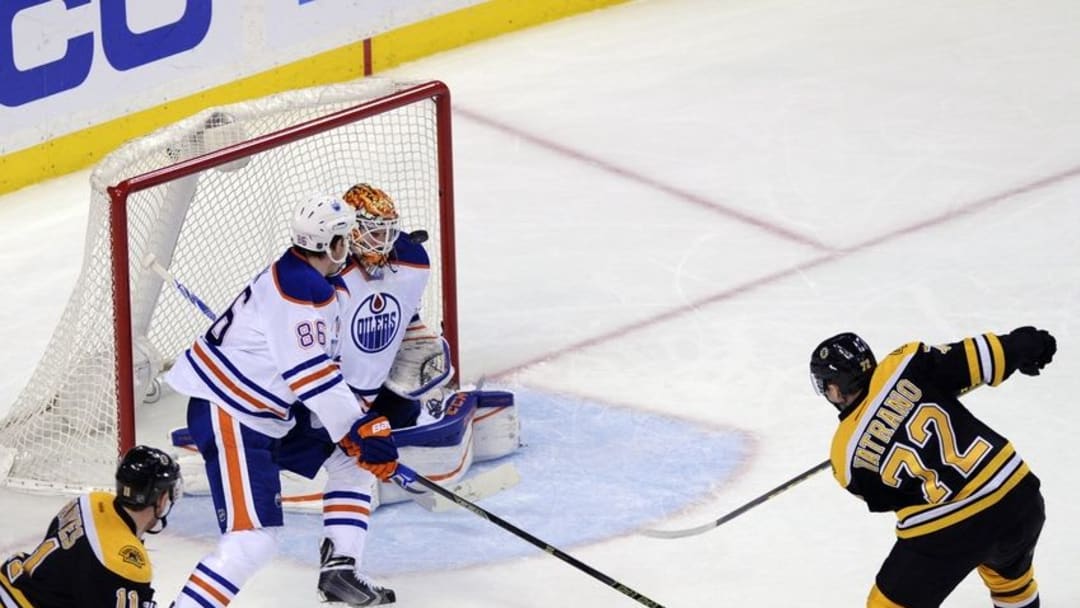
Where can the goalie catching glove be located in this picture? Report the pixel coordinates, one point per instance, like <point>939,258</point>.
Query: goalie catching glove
<point>422,363</point>
<point>370,443</point>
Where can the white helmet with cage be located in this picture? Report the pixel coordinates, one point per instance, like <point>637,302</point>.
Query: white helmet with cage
<point>318,220</point>
<point>378,225</point>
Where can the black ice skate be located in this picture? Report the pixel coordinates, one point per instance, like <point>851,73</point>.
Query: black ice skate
<point>340,584</point>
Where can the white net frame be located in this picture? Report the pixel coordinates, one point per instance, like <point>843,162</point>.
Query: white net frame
<point>208,199</point>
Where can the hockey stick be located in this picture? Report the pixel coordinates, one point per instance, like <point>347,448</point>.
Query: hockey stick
<point>801,477</point>
<point>151,262</point>
<point>406,477</point>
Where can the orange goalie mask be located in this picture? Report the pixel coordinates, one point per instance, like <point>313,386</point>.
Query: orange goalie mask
<point>377,220</point>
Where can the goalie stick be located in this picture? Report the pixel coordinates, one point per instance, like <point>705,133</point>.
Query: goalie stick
<point>801,477</point>
<point>407,478</point>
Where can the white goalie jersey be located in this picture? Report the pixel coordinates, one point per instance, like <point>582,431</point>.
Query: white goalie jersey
<point>379,313</point>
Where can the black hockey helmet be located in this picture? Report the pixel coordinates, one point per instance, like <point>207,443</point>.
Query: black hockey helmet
<point>844,360</point>
<point>144,474</point>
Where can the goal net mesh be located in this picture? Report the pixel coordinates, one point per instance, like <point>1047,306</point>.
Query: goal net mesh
<point>213,230</point>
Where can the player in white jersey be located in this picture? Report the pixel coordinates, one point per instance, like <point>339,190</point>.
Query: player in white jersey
<point>385,278</point>
<point>275,347</point>
<point>387,350</point>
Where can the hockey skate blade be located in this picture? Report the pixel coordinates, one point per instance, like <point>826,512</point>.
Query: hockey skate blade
<point>477,487</point>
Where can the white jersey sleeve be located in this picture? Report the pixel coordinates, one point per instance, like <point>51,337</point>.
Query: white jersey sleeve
<point>274,346</point>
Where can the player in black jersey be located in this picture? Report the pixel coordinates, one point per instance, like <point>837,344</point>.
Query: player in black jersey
<point>92,555</point>
<point>963,497</point>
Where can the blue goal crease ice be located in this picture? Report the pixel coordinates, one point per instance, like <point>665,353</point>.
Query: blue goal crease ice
<point>589,472</point>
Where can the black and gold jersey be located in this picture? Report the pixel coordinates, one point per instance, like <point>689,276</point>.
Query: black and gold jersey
<point>911,447</point>
<point>90,558</point>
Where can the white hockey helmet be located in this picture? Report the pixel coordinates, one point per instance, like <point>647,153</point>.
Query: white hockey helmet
<point>378,224</point>
<point>318,220</point>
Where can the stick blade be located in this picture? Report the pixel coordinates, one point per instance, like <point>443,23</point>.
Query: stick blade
<point>677,533</point>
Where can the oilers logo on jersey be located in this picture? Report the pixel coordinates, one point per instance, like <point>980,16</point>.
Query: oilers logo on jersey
<point>375,322</point>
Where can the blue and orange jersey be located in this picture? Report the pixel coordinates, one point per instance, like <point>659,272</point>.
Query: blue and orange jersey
<point>275,345</point>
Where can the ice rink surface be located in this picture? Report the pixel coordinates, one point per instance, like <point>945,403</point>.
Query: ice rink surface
<point>662,207</point>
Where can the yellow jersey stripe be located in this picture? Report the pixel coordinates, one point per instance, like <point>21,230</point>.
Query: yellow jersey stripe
<point>1010,592</point>
<point>972,486</point>
<point>966,512</point>
<point>987,473</point>
<point>8,594</point>
<point>877,599</point>
<point>998,353</point>
<point>845,442</point>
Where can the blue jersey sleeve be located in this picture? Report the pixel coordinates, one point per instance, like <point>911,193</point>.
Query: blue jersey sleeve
<point>409,253</point>
<point>298,282</point>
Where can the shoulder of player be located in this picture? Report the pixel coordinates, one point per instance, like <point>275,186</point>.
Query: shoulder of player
<point>112,539</point>
<point>410,253</point>
<point>338,283</point>
<point>906,350</point>
<point>898,361</point>
<point>900,357</point>
<point>843,452</point>
<point>298,282</point>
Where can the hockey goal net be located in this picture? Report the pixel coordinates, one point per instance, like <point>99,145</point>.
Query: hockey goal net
<point>208,200</point>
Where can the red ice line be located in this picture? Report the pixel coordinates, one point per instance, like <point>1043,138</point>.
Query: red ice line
<point>831,254</point>
<point>633,176</point>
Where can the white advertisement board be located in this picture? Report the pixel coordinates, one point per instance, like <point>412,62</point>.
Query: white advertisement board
<point>66,65</point>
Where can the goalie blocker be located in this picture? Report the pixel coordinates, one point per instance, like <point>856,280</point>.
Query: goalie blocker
<point>453,432</point>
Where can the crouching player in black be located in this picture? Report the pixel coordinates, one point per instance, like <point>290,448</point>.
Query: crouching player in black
<point>964,499</point>
<point>93,555</point>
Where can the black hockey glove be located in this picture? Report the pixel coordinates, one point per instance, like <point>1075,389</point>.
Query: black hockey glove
<point>1033,349</point>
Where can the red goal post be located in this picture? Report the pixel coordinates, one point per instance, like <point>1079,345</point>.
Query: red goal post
<point>207,202</point>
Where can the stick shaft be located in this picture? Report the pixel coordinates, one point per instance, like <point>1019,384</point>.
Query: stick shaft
<point>536,542</point>
<point>801,477</point>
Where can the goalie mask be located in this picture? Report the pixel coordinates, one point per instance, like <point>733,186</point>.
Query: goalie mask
<point>377,225</point>
<point>844,360</point>
<point>318,220</point>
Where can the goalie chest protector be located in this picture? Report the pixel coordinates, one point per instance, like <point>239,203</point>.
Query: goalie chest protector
<point>377,312</point>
